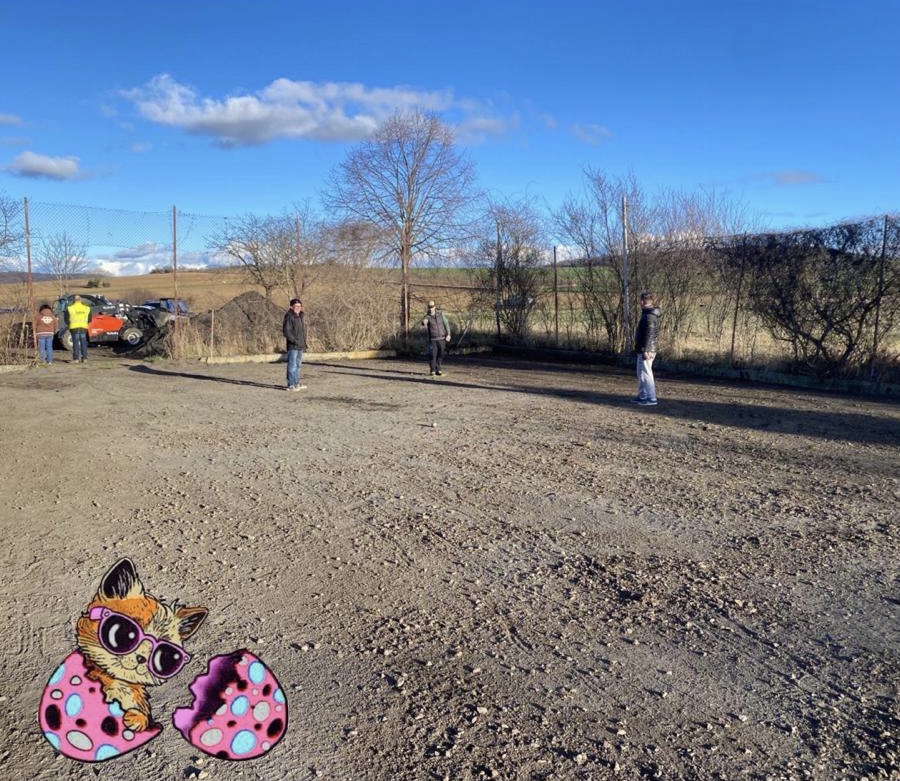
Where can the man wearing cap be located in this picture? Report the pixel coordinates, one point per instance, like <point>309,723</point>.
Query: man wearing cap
<point>294,329</point>
<point>438,328</point>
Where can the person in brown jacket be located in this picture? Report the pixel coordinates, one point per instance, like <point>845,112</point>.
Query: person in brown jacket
<point>45,325</point>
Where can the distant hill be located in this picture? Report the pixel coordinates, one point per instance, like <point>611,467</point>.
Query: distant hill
<point>14,277</point>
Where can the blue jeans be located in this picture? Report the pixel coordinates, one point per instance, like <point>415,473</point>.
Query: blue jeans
<point>646,382</point>
<point>294,361</point>
<point>45,347</point>
<point>79,344</point>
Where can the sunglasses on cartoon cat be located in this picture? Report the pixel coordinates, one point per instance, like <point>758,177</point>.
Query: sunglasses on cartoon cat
<point>121,635</point>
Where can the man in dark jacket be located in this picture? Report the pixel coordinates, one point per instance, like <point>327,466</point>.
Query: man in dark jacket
<point>645,350</point>
<point>294,329</point>
<point>435,322</point>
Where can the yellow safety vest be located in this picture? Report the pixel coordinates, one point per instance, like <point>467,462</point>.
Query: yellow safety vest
<point>79,315</point>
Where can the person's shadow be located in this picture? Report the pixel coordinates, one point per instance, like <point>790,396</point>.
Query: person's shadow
<point>143,369</point>
<point>856,427</point>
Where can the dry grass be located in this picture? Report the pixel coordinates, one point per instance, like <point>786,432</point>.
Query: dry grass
<point>351,308</point>
<point>203,290</point>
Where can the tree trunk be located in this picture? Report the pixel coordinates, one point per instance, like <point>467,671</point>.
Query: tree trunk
<point>404,293</point>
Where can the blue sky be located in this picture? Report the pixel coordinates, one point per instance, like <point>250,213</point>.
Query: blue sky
<point>224,108</point>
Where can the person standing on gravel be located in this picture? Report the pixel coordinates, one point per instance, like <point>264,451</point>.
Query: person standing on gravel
<point>435,322</point>
<point>294,329</point>
<point>78,317</point>
<point>45,325</point>
<point>645,350</point>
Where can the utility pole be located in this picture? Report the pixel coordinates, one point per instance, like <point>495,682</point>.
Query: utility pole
<point>175,278</point>
<point>626,336</point>
<point>298,261</point>
<point>497,282</point>
<point>30,278</point>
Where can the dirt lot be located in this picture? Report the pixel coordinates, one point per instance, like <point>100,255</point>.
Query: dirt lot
<point>510,572</point>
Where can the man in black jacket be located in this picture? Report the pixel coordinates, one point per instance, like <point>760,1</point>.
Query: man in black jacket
<point>294,329</point>
<point>435,322</point>
<point>645,350</point>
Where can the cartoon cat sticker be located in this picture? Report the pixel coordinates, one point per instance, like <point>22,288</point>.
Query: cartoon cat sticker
<point>96,704</point>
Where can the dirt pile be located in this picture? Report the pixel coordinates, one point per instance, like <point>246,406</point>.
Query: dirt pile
<point>249,323</point>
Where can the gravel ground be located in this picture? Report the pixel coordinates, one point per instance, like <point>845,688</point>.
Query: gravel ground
<point>509,572</point>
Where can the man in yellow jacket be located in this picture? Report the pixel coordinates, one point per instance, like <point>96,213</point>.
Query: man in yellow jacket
<point>78,315</point>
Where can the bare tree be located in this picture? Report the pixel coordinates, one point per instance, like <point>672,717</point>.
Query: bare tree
<point>11,232</point>
<point>63,257</point>
<point>309,248</point>
<point>593,224</point>
<point>668,252</point>
<point>409,182</point>
<point>512,253</point>
<point>265,247</point>
<point>353,243</point>
<point>681,266</point>
<point>823,291</point>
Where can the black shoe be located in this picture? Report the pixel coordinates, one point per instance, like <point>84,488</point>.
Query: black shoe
<point>439,374</point>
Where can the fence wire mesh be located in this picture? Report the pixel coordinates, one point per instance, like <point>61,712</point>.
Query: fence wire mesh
<point>824,298</point>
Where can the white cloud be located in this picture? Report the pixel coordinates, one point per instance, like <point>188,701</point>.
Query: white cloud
<point>328,111</point>
<point>117,269</point>
<point>591,134</point>
<point>35,166</point>
<point>122,268</point>
<point>10,119</point>
<point>474,130</point>
<point>795,177</point>
<point>565,252</point>
<point>143,258</point>
<point>150,252</point>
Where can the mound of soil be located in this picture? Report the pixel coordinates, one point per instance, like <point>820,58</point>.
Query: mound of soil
<point>250,320</point>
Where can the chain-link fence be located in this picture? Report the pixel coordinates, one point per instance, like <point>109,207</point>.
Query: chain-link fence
<point>826,300</point>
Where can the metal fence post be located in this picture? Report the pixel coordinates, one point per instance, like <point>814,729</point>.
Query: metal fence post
<point>555,296</point>
<point>30,286</point>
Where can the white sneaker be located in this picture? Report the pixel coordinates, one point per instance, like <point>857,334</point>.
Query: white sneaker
<point>300,387</point>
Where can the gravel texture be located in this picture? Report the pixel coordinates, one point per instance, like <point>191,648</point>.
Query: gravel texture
<point>508,572</point>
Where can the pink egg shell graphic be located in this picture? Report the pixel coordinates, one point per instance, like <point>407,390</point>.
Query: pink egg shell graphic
<point>239,709</point>
<point>78,723</point>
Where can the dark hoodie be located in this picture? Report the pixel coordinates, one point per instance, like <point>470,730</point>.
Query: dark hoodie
<point>645,336</point>
<point>294,330</point>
